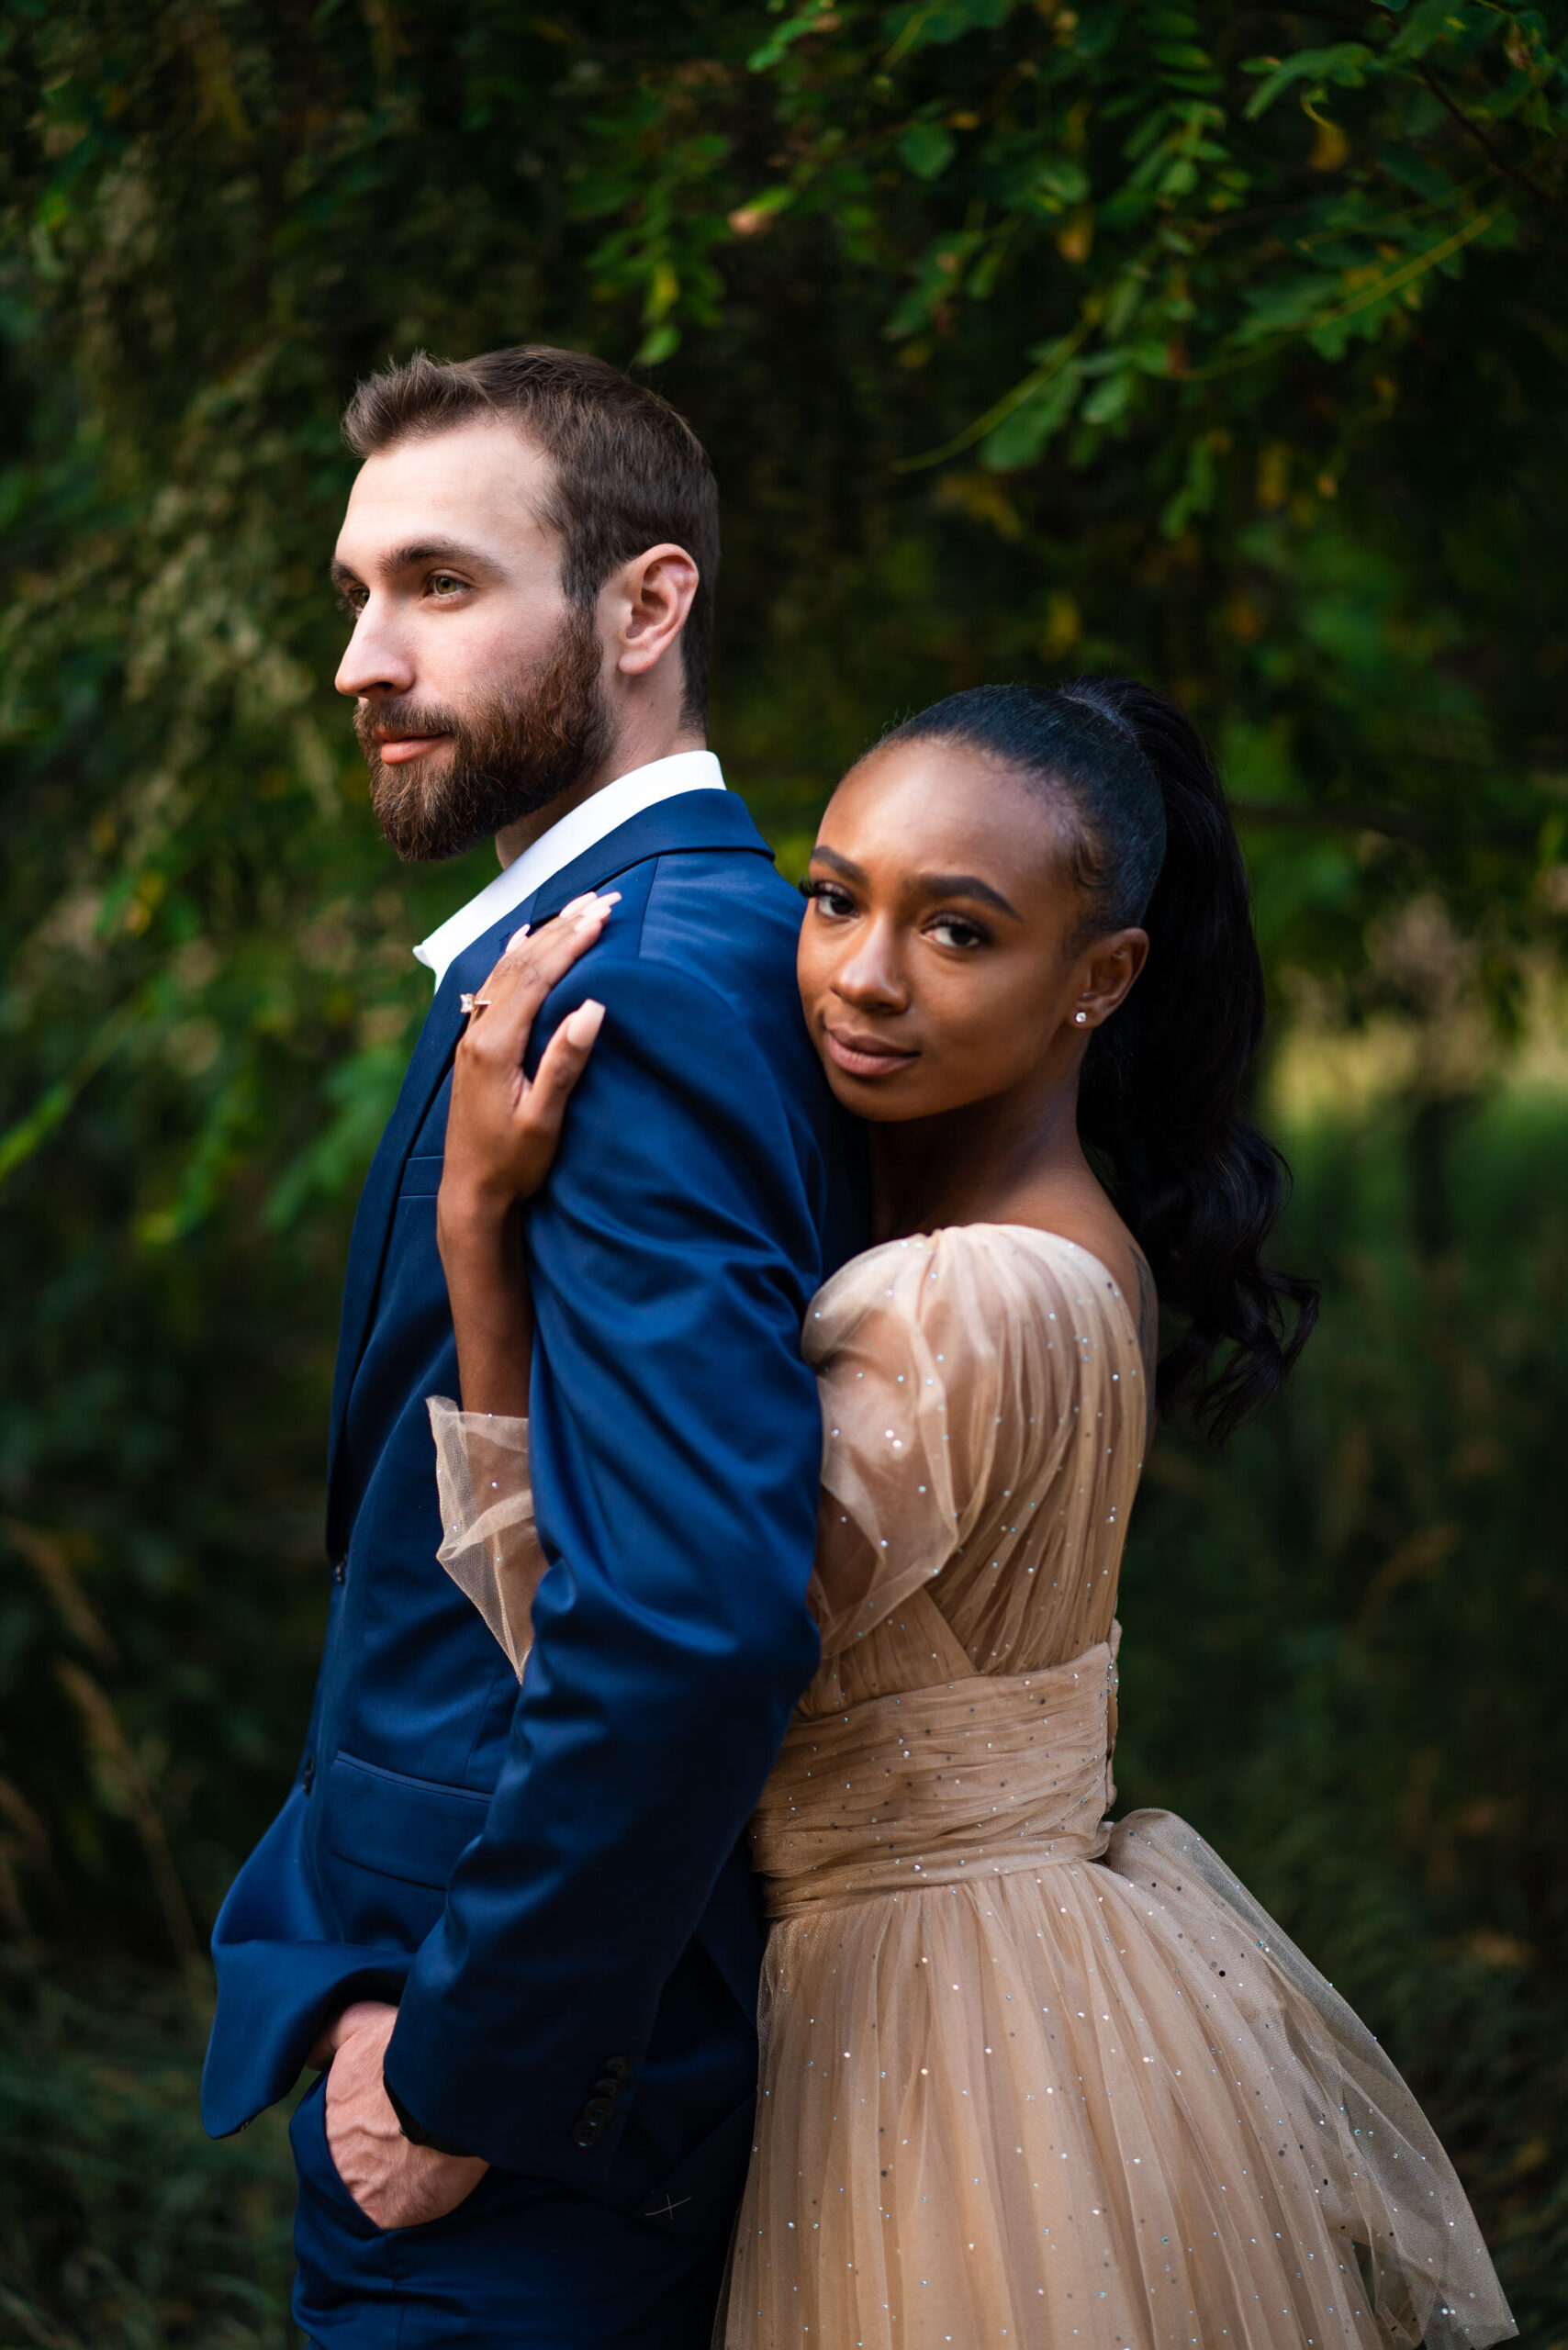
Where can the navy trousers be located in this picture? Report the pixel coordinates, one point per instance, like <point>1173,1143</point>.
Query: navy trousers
<point>522,2265</point>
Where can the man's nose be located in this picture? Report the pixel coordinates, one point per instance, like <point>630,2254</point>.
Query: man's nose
<point>375,662</point>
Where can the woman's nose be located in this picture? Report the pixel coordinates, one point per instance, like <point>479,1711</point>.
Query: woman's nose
<point>869,975</point>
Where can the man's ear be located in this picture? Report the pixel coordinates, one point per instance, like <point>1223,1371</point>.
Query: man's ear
<point>644,607</point>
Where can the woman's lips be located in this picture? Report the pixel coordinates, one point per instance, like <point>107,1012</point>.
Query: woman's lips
<point>397,749</point>
<point>865,1056</point>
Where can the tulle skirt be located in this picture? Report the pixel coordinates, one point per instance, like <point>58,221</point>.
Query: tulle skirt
<point>1099,2102</point>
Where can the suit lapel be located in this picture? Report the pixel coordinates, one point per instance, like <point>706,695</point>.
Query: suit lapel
<point>373,1221</point>
<point>694,820</point>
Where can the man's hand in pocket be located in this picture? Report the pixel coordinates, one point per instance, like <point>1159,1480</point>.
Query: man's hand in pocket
<point>396,2184</point>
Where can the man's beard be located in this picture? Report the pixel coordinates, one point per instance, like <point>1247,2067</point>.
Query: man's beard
<point>512,756</point>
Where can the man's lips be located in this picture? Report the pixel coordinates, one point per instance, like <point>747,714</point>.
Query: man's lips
<point>860,1056</point>
<point>396,750</point>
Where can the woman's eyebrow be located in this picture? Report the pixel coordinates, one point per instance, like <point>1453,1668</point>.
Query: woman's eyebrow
<point>844,865</point>
<point>931,885</point>
<point>967,885</point>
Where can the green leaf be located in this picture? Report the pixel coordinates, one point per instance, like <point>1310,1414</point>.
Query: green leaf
<point>928,23</point>
<point>1109,399</point>
<point>1416,170</point>
<point>1435,21</point>
<point>661,344</point>
<point>1018,439</point>
<point>927,148</point>
<point>1063,180</point>
<point>778,45</point>
<point>1345,65</point>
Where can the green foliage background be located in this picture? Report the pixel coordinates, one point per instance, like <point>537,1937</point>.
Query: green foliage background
<point>1223,344</point>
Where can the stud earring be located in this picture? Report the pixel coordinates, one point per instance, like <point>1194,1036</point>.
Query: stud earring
<point>1081,1018</point>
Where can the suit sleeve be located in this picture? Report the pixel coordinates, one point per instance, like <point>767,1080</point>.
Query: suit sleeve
<point>676,1440</point>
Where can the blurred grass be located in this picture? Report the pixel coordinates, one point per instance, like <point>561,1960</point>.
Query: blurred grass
<point>1343,1662</point>
<point>1344,1641</point>
<point>121,2227</point>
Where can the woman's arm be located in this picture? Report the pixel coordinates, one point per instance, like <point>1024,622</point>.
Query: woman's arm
<point>502,1136</point>
<point>486,1283</point>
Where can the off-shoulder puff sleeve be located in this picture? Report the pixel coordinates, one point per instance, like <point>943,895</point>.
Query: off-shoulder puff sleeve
<point>490,1545</point>
<point>968,1378</point>
<point>890,1513</point>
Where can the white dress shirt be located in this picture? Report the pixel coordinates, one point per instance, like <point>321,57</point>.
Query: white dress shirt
<point>576,832</point>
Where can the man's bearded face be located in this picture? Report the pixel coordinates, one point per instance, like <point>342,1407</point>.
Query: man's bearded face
<point>510,754</point>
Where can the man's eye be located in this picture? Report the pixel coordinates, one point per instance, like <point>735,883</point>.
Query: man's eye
<point>956,930</point>
<point>352,600</point>
<point>444,583</point>
<point>830,898</point>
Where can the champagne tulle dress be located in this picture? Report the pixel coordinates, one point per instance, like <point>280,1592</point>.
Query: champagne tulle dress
<point>1029,2078</point>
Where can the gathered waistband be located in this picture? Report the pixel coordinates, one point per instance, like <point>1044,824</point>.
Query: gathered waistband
<point>974,1778</point>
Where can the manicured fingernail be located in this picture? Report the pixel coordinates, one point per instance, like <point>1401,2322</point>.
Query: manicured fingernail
<point>586,1021</point>
<point>518,937</point>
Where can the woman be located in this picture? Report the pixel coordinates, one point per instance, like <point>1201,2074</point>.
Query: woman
<point>1026,2078</point>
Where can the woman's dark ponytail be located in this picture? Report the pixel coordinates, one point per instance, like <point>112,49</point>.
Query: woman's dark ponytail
<point>1163,1084</point>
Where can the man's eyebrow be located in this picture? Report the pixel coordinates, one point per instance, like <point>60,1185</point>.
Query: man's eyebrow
<point>417,551</point>
<point>932,885</point>
<point>403,558</point>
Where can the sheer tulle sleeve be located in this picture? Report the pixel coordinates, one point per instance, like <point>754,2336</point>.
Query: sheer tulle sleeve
<point>889,1519</point>
<point>489,1547</point>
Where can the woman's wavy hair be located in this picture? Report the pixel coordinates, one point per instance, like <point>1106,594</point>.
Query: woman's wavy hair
<point>1161,1100</point>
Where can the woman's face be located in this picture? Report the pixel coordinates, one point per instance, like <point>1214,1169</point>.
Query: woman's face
<point>941,959</point>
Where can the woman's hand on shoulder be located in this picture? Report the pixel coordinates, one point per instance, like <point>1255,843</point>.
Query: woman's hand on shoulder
<point>503,1129</point>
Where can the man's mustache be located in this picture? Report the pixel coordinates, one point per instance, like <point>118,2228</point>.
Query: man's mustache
<point>374,722</point>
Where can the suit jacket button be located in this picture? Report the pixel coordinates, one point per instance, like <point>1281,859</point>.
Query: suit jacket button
<point>585,2134</point>
<point>617,2067</point>
<point>610,2087</point>
<point>597,2110</point>
<point>307,1773</point>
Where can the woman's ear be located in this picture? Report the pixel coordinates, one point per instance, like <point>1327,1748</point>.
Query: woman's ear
<point>1106,972</point>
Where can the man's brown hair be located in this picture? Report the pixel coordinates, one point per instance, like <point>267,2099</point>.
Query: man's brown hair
<point>629,471</point>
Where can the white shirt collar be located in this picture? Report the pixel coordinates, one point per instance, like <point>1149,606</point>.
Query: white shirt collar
<point>576,832</point>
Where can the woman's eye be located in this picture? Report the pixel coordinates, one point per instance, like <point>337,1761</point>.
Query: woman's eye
<point>956,930</point>
<point>830,898</point>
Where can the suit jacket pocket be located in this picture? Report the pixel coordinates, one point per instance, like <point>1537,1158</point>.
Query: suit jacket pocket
<point>697,2199</point>
<point>409,1828</point>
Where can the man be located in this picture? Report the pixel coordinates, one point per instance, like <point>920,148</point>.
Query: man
<point>519,1926</point>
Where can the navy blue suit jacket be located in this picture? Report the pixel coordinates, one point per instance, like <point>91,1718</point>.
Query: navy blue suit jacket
<point>552,1881</point>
